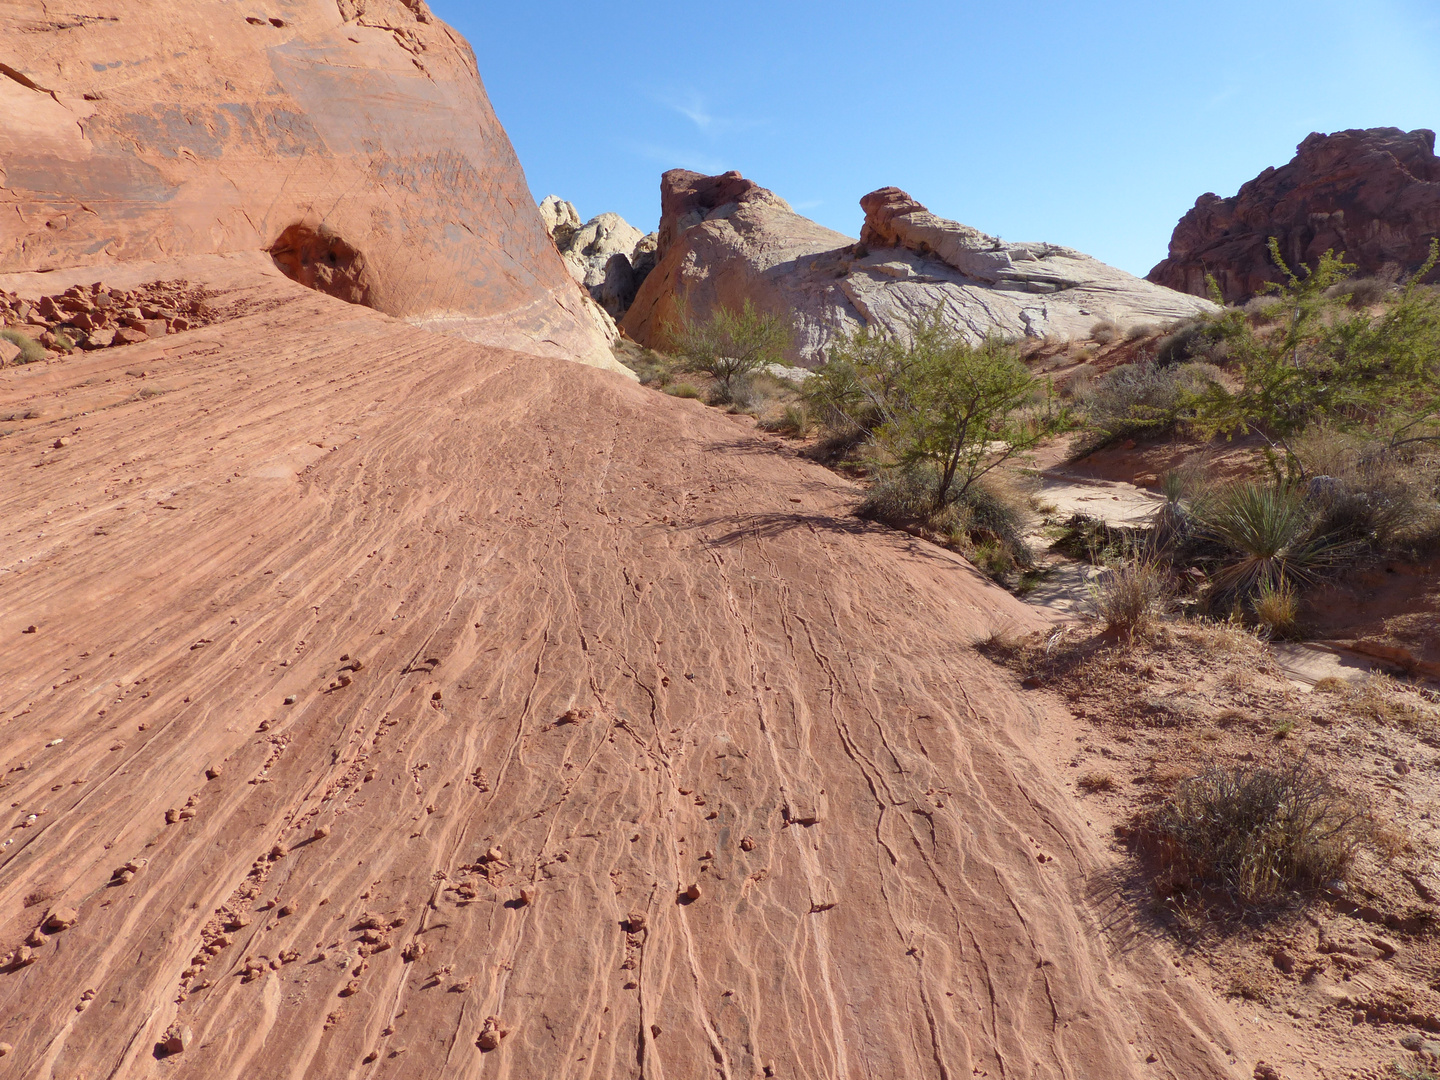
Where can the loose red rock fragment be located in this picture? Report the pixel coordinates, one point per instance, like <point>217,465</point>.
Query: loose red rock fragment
<point>177,1038</point>
<point>491,1034</point>
<point>60,918</point>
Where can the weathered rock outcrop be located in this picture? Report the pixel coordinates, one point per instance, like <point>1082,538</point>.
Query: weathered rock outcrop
<point>724,240</point>
<point>406,707</point>
<point>607,255</point>
<point>354,141</point>
<point>1372,193</point>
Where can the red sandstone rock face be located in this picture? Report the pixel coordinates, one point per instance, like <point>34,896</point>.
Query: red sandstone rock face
<point>387,706</point>
<point>688,198</point>
<point>354,140</point>
<point>1373,194</point>
<point>881,208</point>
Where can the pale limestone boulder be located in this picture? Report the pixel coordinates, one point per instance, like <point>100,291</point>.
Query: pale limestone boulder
<point>725,240</point>
<point>606,255</point>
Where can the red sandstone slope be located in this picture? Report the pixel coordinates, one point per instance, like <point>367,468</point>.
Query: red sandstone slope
<point>609,646</point>
<point>353,138</point>
<point>1373,194</point>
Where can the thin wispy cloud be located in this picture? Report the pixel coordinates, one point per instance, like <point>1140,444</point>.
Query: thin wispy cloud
<point>693,107</point>
<point>695,161</point>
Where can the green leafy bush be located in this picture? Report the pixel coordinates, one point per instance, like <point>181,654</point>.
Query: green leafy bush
<point>730,346</point>
<point>934,400</point>
<point>1321,360</point>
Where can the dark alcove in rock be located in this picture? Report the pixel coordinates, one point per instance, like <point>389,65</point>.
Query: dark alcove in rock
<point>320,259</point>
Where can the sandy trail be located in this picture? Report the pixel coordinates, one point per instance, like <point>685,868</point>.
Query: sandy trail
<point>771,701</point>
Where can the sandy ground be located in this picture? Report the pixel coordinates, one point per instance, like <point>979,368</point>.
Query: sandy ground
<point>616,743</point>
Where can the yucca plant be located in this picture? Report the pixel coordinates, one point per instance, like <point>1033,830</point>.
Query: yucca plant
<point>1270,532</point>
<point>1173,521</point>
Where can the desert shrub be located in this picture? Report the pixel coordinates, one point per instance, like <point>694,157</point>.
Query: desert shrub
<point>933,399</point>
<point>651,368</point>
<point>730,346</point>
<point>1141,330</point>
<point>1128,596</point>
<point>1270,534</point>
<point>1096,541</point>
<point>1096,780</point>
<point>1378,373</point>
<point>981,514</point>
<point>683,390</point>
<point>740,393</point>
<point>1386,498</point>
<point>1078,382</point>
<point>30,350</point>
<point>1193,339</point>
<point>1105,331</point>
<point>1361,292</point>
<point>1262,310</point>
<point>792,421</point>
<point>1142,397</point>
<point>1259,832</point>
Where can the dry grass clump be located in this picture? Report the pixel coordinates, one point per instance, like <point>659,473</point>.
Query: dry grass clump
<point>31,351</point>
<point>1129,596</point>
<point>1382,699</point>
<point>1383,500</point>
<point>1258,832</point>
<point>792,421</point>
<point>1096,780</point>
<point>1277,609</point>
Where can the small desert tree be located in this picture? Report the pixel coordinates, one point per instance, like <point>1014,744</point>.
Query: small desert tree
<point>730,346</point>
<point>1323,361</point>
<point>935,400</point>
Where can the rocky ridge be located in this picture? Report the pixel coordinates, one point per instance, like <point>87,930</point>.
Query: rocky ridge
<point>1373,194</point>
<point>353,141</point>
<point>724,240</point>
<point>606,255</point>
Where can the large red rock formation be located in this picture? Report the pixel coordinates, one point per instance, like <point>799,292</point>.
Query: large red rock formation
<point>353,141</point>
<point>383,683</point>
<point>1373,194</point>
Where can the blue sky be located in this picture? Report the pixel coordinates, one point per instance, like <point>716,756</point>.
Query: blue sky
<point>1094,125</point>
